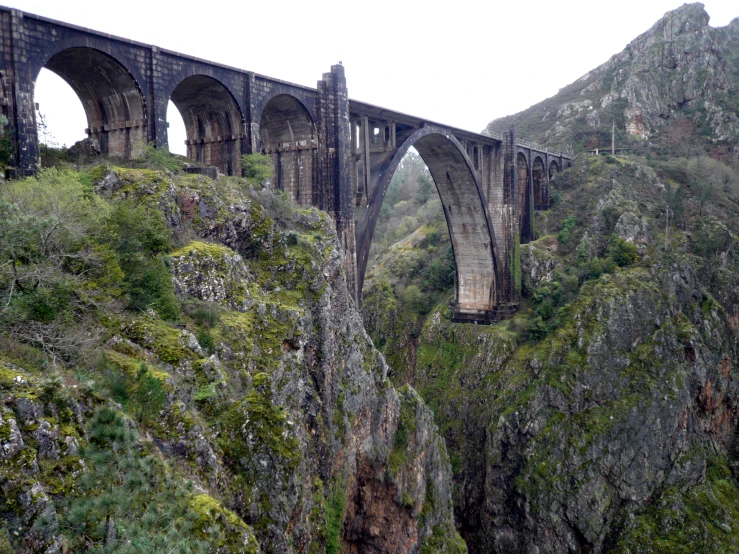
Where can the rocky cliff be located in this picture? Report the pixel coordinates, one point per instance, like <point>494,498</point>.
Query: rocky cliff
<point>603,417</point>
<point>234,404</point>
<point>673,87</point>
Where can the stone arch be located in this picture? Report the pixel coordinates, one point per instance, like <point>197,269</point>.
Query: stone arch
<point>468,221</point>
<point>110,95</point>
<point>213,121</point>
<point>539,184</point>
<point>553,169</point>
<point>523,198</point>
<point>287,133</point>
<point>306,100</point>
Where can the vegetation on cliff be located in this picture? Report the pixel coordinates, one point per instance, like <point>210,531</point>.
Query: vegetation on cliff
<point>182,370</point>
<point>611,395</point>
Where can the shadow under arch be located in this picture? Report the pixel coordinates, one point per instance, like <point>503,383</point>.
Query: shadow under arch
<point>465,210</point>
<point>525,205</point>
<point>287,133</point>
<point>110,95</point>
<point>539,181</point>
<point>553,169</point>
<point>213,122</point>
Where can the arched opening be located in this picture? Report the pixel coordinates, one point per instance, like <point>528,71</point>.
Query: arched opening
<point>213,122</point>
<point>411,224</point>
<point>288,136</point>
<point>524,198</point>
<point>111,99</point>
<point>176,131</point>
<point>553,170</point>
<point>464,210</point>
<point>60,118</point>
<point>539,184</point>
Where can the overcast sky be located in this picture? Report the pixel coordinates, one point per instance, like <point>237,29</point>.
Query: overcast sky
<point>460,62</point>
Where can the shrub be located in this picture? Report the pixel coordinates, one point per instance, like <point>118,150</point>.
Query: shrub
<point>148,395</point>
<point>416,300</point>
<point>537,329</point>
<point>258,169</point>
<point>335,508</point>
<point>127,500</point>
<point>206,341</point>
<point>162,158</point>
<point>140,238</point>
<point>206,315</point>
<point>567,225</point>
<point>711,237</point>
<point>439,274</point>
<point>621,251</point>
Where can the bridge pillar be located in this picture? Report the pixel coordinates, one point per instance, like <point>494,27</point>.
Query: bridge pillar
<point>17,90</point>
<point>335,143</point>
<point>499,178</point>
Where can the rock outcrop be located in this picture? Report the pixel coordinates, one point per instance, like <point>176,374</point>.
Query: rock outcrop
<point>603,417</point>
<point>278,408</point>
<point>674,84</point>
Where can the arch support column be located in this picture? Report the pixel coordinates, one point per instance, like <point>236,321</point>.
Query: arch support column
<point>334,166</point>
<point>17,101</point>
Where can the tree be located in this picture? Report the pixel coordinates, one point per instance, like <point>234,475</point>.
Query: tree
<point>258,169</point>
<point>149,395</point>
<point>708,175</point>
<point>426,188</point>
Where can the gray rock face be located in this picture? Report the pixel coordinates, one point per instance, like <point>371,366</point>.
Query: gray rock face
<point>85,149</point>
<point>305,407</point>
<point>278,407</point>
<point>674,81</point>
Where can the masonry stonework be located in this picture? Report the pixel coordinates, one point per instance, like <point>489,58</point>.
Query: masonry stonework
<point>330,152</point>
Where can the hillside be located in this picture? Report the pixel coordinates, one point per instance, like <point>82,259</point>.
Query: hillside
<point>672,91</point>
<point>603,416</point>
<point>182,370</point>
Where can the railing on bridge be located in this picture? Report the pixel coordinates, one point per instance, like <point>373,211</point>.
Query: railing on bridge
<point>528,144</point>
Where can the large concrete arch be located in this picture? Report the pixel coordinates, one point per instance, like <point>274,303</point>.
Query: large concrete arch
<point>110,95</point>
<point>213,121</point>
<point>287,133</point>
<point>465,209</point>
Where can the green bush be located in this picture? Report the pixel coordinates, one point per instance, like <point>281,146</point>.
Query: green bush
<point>621,251</point>
<point>206,341</point>
<point>162,158</point>
<point>127,501</point>
<point>335,508</point>
<point>537,329</point>
<point>148,395</point>
<point>567,225</point>
<point>140,238</point>
<point>439,274</point>
<point>711,237</point>
<point>206,315</point>
<point>416,300</point>
<point>258,169</point>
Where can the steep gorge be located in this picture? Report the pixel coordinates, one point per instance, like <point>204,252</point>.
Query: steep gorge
<point>252,403</point>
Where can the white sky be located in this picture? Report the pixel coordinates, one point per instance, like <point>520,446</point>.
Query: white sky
<point>462,63</point>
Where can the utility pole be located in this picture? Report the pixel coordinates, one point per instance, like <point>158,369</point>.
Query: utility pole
<point>613,138</point>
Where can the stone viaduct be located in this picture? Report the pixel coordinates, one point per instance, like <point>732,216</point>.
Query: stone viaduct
<point>329,151</point>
